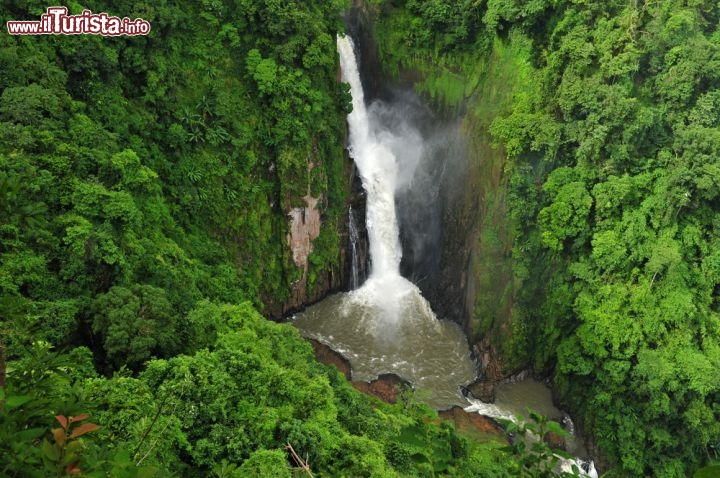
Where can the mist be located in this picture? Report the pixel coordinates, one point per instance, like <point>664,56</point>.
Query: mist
<point>430,157</point>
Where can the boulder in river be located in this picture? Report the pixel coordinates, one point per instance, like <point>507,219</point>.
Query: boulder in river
<point>328,356</point>
<point>474,424</point>
<point>387,387</point>
<point>482,389</point>
<point>555,441</point>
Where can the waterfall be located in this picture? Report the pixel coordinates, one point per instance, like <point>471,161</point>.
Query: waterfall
<point>387,306</point>
<point>378,170</point>
<point>354,238</point>
<point>388,297</point>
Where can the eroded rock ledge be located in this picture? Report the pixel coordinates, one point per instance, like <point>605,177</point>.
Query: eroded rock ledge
<point>387,387</point>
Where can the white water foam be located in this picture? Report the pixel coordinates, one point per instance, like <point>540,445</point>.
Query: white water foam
<point>386,295</point>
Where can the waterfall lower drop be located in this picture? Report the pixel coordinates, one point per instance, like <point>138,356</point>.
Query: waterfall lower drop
<point>354,238</point>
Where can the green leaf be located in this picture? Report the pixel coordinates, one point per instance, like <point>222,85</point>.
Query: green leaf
<point>15,401</point>
<point>29,434</point>
<point>50,451</point>
<point>556,428</point>
<point>563,454</point>
<point>708,472</point>
<point>510,426</point>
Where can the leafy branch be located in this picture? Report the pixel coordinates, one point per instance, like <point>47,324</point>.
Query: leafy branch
<point>535,457</point>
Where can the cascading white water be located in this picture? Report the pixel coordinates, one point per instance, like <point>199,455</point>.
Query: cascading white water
<point>378,169</point>
<point>513,401</point>
<point>386,293</point>
<point>386,326</point>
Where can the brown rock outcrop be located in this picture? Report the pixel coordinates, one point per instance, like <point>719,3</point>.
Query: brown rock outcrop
<point>471,422</point>
<point>324,354</point>
<point>482,389</point>
<point>555,441</point>
<point>387,387</point>
<point>304,228</point>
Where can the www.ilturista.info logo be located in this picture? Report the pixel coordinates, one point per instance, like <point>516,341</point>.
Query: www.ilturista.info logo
<point>57,22</point>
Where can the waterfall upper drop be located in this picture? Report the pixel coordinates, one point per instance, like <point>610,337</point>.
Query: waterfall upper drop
<point>386,294</point>
<point>378,170</point>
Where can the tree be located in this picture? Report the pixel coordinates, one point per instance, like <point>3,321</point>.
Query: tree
<point>134,324</point>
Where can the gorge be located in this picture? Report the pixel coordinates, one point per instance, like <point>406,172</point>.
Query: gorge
<point>386,325</point>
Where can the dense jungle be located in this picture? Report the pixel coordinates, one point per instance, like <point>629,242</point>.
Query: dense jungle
<point>150,187</point>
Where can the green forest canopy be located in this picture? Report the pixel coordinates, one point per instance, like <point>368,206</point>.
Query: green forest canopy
<point>143,184</point>
<point>613,170</point>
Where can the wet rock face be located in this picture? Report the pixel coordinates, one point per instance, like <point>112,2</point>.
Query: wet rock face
<point>304,224</point>
<point>358,24</point>
<point>304,227</point>
<point>491,366</point>
<point>358,201</point>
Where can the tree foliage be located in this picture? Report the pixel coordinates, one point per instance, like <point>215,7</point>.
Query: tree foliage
<point>144,186</point>
<point>629,227</point>
<point>135,324</point>
<point>612,171</point>
<point>229,409</point>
